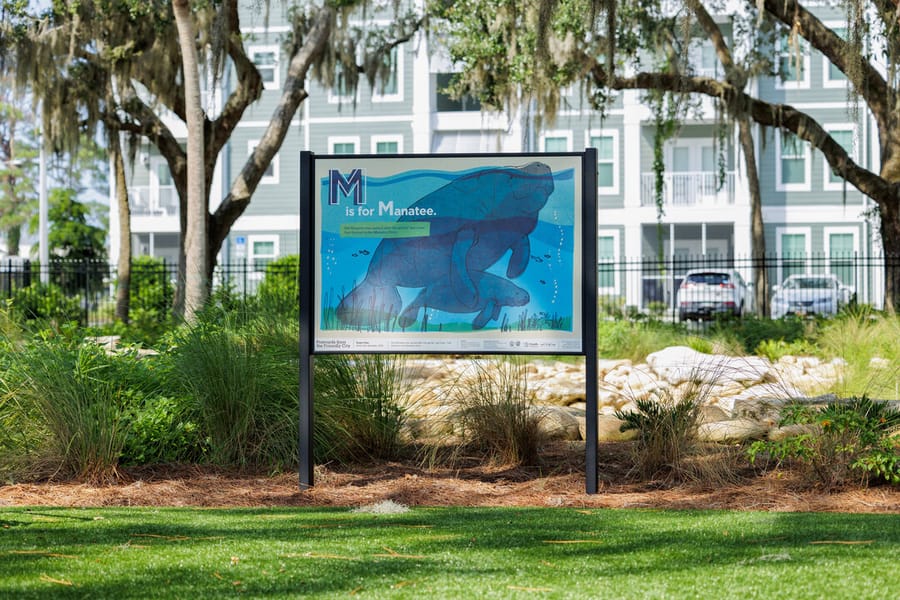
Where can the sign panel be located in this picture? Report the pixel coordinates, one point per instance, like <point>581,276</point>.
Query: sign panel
<point>445,254</point>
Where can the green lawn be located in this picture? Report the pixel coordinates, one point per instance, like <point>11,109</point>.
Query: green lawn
<point>444,553</point>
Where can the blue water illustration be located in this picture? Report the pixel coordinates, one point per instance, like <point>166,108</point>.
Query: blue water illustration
<point>482,249</point>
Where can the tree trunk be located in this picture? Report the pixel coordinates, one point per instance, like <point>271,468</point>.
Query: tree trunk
<point>757,228</point>
<point>123,267</point>
<point>890,239</point>
<point>13,237</point>
<point>196,287</point>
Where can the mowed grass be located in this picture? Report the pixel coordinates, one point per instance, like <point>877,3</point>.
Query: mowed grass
<point>444,553</point>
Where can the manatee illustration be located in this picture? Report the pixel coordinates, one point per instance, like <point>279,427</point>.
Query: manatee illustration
<point>493,294</point>
<point>475,220</point>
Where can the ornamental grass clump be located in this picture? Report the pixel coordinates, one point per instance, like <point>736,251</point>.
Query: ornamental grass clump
<point>667,431</point>
<point>65,408</point>
<point>360,406</point>
<point>242,394</point>
<point>496,413</point>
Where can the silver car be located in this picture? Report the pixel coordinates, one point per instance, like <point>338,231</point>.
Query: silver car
<point>806,295</point>
<point>706,294</point>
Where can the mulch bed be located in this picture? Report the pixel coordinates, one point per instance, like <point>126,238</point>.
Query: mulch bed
<point>558,482</point>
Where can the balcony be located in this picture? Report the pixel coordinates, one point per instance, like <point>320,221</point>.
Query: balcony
<point>695,188</point>
<point>150,202</point>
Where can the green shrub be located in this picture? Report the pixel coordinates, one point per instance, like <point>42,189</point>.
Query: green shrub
<point>280,289</point>
<point>496,412</point>
<point>752,331</point>
<point>845,441</point>
<point>359,406</point>
<point>867,343</point>
<point>635,340</point>
<point>160,430</point>
<point>775,349</point>
<point>45,302</point>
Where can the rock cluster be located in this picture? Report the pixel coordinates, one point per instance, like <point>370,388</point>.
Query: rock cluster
<point>740,397</point>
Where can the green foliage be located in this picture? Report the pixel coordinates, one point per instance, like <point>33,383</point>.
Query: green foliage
<point>280,290</point>
<point>866,341</point>
<point>360,406</point>
<point>160,430</point>
<point>635,340</point>
<point>496,412</point>
<point>66,404</point>
<point>70,235</point>
<point>243,394</point>
<point>844,442</point>
<point>667,432</point>
<point>775,349</point>
<point>45,302</point>
<point>752,331</point>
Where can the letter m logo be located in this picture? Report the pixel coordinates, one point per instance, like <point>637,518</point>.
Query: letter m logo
<point>346,187</point>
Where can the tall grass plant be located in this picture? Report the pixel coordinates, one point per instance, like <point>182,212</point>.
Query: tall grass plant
<point>243,395</point>
<point>496,412</point>
<point>360,404</point>
<point>64,410</point>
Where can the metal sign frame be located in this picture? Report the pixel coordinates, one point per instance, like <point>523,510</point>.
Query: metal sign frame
<point>448,254</point>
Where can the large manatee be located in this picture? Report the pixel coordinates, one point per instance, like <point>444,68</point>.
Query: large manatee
<point>476,219</point>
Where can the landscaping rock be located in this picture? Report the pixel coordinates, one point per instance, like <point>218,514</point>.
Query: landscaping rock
<point>734,430</point>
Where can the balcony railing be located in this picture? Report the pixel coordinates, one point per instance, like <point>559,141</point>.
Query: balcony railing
<point>695,188</point>
<point>146,203</point>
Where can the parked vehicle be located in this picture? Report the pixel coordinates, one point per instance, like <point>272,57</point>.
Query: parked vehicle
<point>805,295</point>
<point>705,294</point>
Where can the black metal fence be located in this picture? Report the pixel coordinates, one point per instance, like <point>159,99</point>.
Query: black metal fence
<point>687,287</point>
<point>671,287</point>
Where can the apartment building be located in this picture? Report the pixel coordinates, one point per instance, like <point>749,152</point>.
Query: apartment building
<point>812,220</point>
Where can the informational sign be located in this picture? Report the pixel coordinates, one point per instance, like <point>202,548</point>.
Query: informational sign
<point>448,254</point>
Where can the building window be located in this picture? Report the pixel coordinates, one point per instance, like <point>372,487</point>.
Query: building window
<point>387,144</point>
<point>793,249</point>
<point>266,60</point>
<point>444,102</point>
<point>841,252</point>
<point>607,145</point>
<point>793,163</point>
<point>163,195</point>
<point>388,88</point>
<point>791,62</point>
<point>607,257</point>
<point>833,76</point>
<point>263,250</point>
<point>556,141</point>
<point>270,175</point>
<point>845,135</point>
<point>341,90</point>
<point>703,59</point>
<point>343,145</point>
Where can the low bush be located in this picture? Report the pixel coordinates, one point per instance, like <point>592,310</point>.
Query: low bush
<point>852,441</point>
<point>160,430</point>
<point>46,302</point>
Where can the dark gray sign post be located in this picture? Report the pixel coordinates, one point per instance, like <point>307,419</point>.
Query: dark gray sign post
<point>448,254</point>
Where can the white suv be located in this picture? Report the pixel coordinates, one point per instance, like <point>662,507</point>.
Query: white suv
<point>705,294</point>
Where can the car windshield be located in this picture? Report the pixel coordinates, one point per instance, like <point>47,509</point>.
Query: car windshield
<point>808,283</point>
<point>708,278</point>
